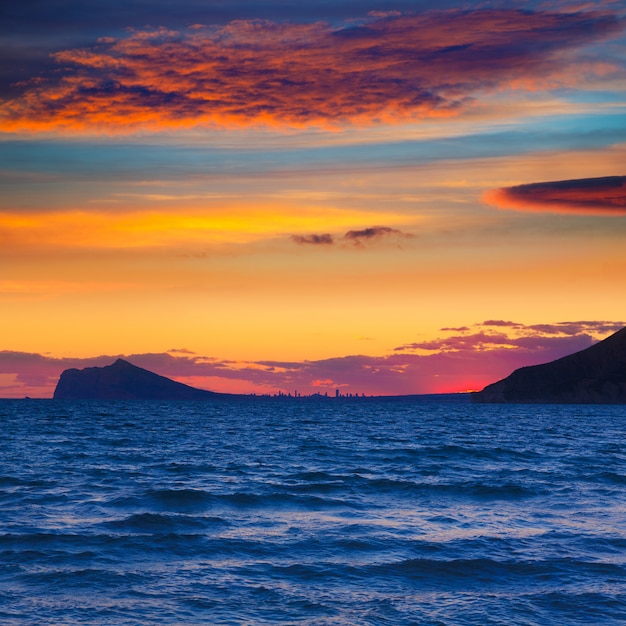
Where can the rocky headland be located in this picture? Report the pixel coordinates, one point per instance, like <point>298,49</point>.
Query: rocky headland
<point>124,381</point>
<point>596,375</point>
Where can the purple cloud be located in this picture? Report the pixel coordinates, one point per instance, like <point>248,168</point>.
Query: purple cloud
<point>502,323</point>
<point>315,240</point>
<point>356,237</point>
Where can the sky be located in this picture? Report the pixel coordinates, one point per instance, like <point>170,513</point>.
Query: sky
<point>384,198</point>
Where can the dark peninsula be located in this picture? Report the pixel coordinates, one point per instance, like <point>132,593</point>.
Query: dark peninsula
<point>596,375</point>
<point>124,381</point>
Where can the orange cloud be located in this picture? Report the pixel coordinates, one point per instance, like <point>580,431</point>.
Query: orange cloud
<point>264,73</point>
<point>606,195</point>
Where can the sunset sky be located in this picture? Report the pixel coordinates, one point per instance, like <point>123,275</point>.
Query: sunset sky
<point>382,198</point>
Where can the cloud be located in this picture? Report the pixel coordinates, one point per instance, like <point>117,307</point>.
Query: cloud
<point>502,323</point>
<point>384,13</point>
<point>374,232</point>
<point>591,196</point>
<point>316,240</point>
<point>260,72</point>
<point>356,237</point>
<point>469,359</point>
<point>475,341</point>
<point>540,338</point>
<point>575,328</point>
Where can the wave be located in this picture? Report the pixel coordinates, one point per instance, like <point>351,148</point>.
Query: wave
<point>452,452</point>
<point>367,487</point>
<point>506,490</point>
<point>90,578</point>
<point>480,571</point>
<point>612,478</point>
<point>16,481</point>
<point>156,523</point>
<point>197,500</point>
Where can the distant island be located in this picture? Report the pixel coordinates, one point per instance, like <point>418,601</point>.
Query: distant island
<point>596,375</point>
<point>124,381</point>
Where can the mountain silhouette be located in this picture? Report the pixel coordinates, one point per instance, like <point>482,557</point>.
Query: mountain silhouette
<point>124,381</point>
<point>596,375</point>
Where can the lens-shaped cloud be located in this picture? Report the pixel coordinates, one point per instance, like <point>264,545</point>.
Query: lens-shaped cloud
<point>606,195</point>
<point>385,68</point>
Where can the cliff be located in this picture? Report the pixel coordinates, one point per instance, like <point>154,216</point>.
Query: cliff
<point>596,375</point>
<point>123,381</point>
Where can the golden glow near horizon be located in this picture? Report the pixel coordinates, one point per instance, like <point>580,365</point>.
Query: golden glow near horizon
<point>286,221</point>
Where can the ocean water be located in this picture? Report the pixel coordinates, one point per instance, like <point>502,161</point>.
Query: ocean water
<point>311,512</point>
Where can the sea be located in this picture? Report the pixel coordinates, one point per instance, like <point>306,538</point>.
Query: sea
<point>310,512</point>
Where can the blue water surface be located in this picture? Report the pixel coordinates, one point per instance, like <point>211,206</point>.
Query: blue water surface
<point>311,512</point>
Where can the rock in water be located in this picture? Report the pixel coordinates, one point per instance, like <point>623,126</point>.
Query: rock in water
<point>596,375</point>
<point>123,381</point>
